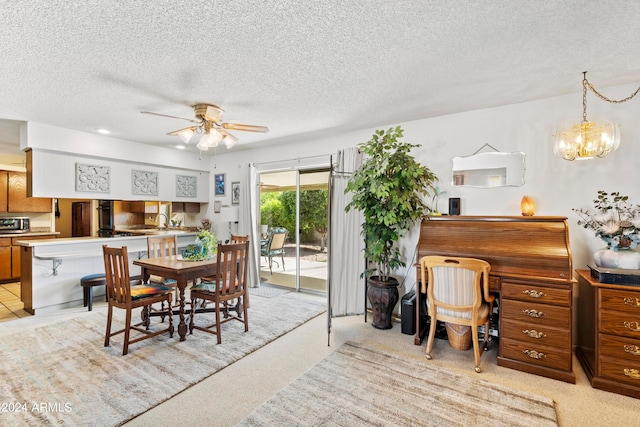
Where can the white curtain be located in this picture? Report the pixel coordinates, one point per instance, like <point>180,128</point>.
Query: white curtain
<point>346,259</point>
<point>248,221</point>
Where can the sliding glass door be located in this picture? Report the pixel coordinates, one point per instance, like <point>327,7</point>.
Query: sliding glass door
<point>293,205</point>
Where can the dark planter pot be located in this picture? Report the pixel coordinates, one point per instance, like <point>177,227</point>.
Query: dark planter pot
<point>383,297</point>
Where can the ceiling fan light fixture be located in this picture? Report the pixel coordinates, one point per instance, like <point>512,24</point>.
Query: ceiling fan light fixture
<point>202,147</point>
<point>229,140</point>
<point>211,138</point>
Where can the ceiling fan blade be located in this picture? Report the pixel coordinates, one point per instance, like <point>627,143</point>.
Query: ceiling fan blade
<point>179,131</point>
<point>171,117</point>
<point>243,127</point>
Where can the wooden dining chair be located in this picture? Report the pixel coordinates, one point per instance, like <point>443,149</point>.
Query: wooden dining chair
<point>228,291</point>
<point>458,293</point>
<point>126,294</point>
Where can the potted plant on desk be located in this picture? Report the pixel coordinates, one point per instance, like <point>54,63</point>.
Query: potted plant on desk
<point>389,189</point>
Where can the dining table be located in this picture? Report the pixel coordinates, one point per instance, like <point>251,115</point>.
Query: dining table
<point>182,271</point>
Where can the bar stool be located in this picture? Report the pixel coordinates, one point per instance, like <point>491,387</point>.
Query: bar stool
<point>87,283</point>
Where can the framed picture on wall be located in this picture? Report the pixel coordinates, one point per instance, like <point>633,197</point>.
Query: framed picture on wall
<point>217,206</point>
<point>219,184</point>
<point>235,193</point>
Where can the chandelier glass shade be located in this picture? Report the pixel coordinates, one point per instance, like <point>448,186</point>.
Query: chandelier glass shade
<point>589,139</point>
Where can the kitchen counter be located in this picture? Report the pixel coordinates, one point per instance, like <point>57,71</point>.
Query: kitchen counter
<point>30,234</point>
<point>52,268</point>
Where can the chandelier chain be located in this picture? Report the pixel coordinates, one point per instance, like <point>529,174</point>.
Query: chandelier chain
<point>604,98</point>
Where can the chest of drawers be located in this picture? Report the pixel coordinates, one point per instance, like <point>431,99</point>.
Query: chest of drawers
<point>609,337</point>
<point>535,328</point>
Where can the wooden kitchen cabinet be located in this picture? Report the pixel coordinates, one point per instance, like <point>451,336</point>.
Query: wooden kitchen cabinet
<point>185,207</point>
<point>17,200</point>
<point>152,207</point>
<point>5,258</point>
<point>4,190</point>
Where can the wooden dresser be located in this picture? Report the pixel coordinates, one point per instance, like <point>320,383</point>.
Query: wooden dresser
<point>609,334</point>
<point>531,270</point>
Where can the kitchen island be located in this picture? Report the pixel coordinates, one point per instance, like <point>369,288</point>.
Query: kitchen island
<point>51,269</point>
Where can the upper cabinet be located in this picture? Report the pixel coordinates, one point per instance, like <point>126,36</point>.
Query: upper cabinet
<point>187,207</point>
<point>4,189</point>
<point>15,192</point>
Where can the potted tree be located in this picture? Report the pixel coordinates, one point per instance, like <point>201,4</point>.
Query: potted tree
<point>389,189</point>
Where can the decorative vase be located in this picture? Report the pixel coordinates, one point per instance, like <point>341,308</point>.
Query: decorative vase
<point>617,258</point>
<point>383,297</point>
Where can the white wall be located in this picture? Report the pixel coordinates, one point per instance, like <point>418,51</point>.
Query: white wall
<point>556,185</point>
<point>55,152</point>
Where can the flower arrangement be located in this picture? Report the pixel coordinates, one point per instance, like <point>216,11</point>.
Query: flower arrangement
<point>205,247</point>
<point>614,220</point>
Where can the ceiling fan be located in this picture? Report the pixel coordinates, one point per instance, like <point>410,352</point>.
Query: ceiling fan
<point>209,123</point>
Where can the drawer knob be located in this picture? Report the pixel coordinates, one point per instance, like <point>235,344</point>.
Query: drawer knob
<point>533,293</point>
<point>633,302</point>
<point>632,326</point>
<point>632,349</point>
<point>534,354</point>
<point>534,334</point>
<point>533,313</point>
<point>632,373</point>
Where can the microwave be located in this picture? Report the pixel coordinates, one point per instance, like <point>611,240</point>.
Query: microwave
<point>14,225</point>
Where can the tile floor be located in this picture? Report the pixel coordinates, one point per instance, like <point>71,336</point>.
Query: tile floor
<point>11,307</point>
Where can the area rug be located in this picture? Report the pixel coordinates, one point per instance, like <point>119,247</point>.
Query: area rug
<point>61,374</point>
<point>268,291</point>
<point>359,385</point>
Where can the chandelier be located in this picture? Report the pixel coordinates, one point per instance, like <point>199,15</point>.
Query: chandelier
<point>587,140</point>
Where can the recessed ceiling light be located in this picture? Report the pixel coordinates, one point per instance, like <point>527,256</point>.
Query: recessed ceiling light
<point>103,131</point>
<point>180,147</point>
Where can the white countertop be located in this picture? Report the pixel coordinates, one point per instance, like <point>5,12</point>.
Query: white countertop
<point>119,240</point>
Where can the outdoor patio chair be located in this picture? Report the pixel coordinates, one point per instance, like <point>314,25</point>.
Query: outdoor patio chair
<point>274,246</point>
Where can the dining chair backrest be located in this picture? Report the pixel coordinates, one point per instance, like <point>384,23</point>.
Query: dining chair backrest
<point>238,239</point>
<point>161,246</point>
<point>116,265</point>
<point>232,268</point>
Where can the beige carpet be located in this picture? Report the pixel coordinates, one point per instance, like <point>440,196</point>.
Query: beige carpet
<point>61,374</point>
<point>359,385</point>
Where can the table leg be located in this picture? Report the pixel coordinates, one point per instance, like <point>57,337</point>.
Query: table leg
<point>182,326</point>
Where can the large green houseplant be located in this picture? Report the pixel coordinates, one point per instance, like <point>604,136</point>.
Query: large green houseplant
<point>389,188</point>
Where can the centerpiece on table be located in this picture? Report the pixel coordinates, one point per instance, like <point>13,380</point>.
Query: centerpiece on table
<point>204,248</point>
<point>617,222</point>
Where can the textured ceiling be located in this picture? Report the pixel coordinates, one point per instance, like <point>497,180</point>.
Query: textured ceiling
<point>302,68</point>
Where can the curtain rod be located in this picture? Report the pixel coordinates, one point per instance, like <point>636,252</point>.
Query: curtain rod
<point>289,160</point>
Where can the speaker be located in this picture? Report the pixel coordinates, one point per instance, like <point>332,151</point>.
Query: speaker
<point>454,206</point>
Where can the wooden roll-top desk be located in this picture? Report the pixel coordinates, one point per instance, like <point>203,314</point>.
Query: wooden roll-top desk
<point>531,270</point>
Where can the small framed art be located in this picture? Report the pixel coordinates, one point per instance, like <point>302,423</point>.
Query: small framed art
<point>219,184</point>
<point>235,193</point>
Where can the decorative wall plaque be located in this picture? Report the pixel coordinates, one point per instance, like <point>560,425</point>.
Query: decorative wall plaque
<point>186,186</point>
<point>144,182</point>
<point>92,178</point>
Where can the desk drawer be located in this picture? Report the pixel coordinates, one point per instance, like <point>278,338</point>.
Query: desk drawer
<point>536,354</point>
<point>535,314</point>
<point>621,348</point>
<point>536,293</point>
<point>620,323</point>
<point>541,334</point>
<point>622,301</point>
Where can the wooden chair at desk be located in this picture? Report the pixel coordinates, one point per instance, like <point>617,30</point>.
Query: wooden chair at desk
<point>230,284</point>
<point>128,295</point>
<point>455,292</point>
